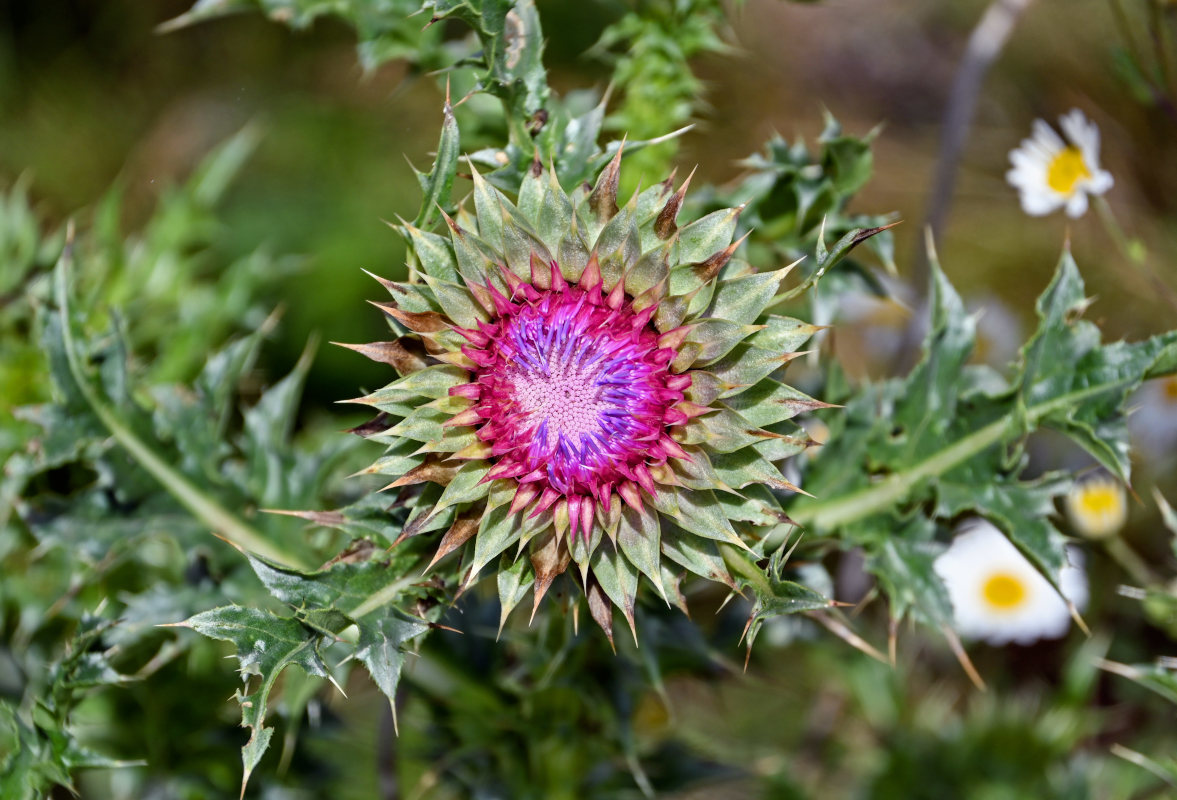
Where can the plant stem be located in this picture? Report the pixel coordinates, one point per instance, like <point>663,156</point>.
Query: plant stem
<point>203,507</point>
<point>383,597</point>
<point>1133,250</point>
<point>833,512</point>
<point>1129,561</point>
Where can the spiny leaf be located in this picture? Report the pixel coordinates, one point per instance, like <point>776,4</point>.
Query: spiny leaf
<point>266,644</point>
<point>515,577</point>
<point>940,440</point>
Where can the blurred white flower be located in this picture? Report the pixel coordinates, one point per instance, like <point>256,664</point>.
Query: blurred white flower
<point>997,595</point>
<point>1153,421</point>
<point>1051,172</point>
<point>1097,507</point>
<point>999,331</point>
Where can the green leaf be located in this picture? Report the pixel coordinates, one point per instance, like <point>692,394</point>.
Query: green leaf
<point>773,596</point>
<point>1020,510</point>
<point>456,302</point>
<point>699,555</point>
<point>435,257</point>
<point>912,430</point>
<point>904,564</point>
<point>266,645</point>
<point>639,538</point>
<point>380,646</point>
<point>743,467</point>
<point>128,426</point>
<point>942,443</point>
<point>515,577</point>
<point>712,339</point>
<point>497,530</point>
<point>702,238</point>
<point>42,751</point>
<point>467,485</point>
<point>743,300</point>
<point>618,578</point>
<point>770,402</point>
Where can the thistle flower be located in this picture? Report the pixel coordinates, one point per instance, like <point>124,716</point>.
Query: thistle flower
<point>1097,507</point>
<point>997,595</point>
<point>1052,172</point>
<point>573,372</point>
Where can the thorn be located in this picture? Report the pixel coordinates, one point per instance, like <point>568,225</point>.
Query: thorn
<point>665,225</point>
<point>387,284</point>
<point>843,632</point>
<point>963,657</point>
<point>329,519</point>
<point>603,198</point>
<point>335,683</point>
<point>1078,619</point>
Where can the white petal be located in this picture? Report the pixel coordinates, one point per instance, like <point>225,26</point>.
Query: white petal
<point>1077,205</point>
<point>1046,138</point>
<point>1073,580</point>
<point>1039,203</point>
<point>1029,154</point>
<point>1100,182</point>
<point>1082,133</point>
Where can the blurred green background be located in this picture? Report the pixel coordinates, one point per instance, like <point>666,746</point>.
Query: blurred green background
<point>91,96</point>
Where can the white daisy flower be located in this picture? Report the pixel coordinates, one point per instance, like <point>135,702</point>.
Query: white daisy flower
<point>997,595</point>
<point>1052,172</point>
<point>1097,507</point>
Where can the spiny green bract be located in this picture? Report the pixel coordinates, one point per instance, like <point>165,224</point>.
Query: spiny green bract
<point>715,485</point>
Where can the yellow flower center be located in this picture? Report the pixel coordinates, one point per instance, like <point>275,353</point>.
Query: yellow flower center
<point>1098,499</point>
<point>1003,591</point>
<point>1170,389</point>
<point>1066,169</point>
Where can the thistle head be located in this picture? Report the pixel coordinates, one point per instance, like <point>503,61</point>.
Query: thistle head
<point>573,371</point>
<point>573,393</point>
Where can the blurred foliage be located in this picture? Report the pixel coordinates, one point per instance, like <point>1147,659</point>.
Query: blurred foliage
<point>46,752</point>
<point>792,198</point>
<point>1145,57</point>
<point>124,473</point>
<point>650,49</point>
<point>136,417</point>
<point>948,440</point>
<point>161,276</point>
<point>386,29</point>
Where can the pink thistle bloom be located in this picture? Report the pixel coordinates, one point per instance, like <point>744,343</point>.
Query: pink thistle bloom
<point>574,394</point>
<point>614,406</point>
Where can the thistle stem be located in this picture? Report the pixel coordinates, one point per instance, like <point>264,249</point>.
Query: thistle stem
<point>740,563</point>
<point>384,596</point>
<point>203,507</point>
<point>833,512</point>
